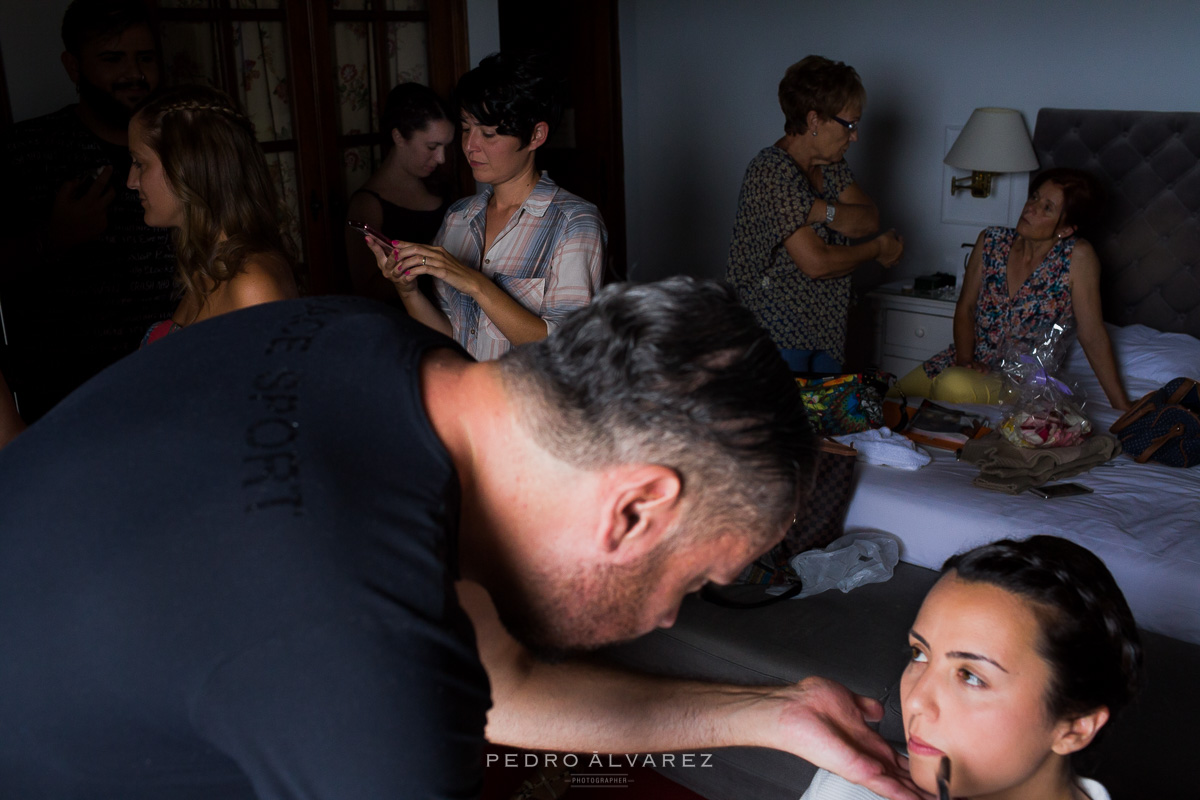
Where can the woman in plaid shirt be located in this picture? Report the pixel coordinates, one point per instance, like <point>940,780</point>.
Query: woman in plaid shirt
<point>512,261</point>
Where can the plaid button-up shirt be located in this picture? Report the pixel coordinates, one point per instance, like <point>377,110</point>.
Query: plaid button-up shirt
<point>549,258</point>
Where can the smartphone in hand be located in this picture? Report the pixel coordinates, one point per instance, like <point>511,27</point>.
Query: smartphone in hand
<point>367,230</point>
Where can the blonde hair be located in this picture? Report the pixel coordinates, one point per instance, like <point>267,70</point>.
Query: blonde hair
<point>218,172</point>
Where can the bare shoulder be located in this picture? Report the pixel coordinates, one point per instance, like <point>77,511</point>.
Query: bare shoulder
<point>265,277</point>
<point>1084,260</point>
<point>365,207</point>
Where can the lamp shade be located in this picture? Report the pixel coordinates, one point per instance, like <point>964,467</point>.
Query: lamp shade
<point>993,140</point>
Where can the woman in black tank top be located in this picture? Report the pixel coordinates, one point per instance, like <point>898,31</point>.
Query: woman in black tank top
<point>398,199</point>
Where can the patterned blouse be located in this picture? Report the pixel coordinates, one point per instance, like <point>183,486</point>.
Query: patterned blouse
<point>1044,298</point>
<point>798,312</point>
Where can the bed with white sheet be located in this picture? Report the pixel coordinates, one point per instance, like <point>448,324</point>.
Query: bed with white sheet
<point>1142,519</point>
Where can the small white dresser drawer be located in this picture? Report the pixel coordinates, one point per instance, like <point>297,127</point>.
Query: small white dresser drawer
<point>909,328</point>
<point>921,335</point>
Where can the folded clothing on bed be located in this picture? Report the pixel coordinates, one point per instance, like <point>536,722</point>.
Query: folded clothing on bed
<point>1005,467</point>
<point>882,446</point>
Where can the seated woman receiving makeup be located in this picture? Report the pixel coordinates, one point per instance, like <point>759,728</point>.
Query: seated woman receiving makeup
<point>1021,654</point>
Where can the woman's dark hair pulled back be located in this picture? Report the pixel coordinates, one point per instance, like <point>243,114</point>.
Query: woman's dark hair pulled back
<point>1088,636</point>
<point>410,107</point>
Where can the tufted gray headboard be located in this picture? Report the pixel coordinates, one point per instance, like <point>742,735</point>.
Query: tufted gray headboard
<point>1149,240</point>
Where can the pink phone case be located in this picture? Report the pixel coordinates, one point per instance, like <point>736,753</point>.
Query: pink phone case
<point>367,230</point>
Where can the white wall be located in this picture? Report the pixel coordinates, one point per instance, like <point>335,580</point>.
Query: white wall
<point>32,47</point>
<point>699,81</point>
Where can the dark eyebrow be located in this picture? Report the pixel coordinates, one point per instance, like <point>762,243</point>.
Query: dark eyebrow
<point>959,653</point>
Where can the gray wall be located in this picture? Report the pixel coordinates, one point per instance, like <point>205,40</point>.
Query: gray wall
<point>699,79</point>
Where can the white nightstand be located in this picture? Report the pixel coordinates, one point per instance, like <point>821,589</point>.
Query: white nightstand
<point>909,329</point>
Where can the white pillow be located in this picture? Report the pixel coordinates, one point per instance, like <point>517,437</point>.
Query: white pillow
<point>1143,353</point>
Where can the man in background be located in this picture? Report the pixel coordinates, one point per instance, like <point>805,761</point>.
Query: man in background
<point>81,275</point>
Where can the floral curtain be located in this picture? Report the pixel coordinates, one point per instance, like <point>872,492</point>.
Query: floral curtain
<point>260,59</point>
<point>354,52</point>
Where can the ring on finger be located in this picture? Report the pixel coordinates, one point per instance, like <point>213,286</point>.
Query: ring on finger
<point>422,261</point>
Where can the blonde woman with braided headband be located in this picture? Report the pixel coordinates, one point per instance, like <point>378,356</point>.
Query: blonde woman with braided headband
<point>198,169</point>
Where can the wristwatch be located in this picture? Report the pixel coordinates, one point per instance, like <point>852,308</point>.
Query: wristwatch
<point>830,210</point>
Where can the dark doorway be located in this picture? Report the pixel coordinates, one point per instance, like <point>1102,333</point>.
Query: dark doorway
<point>586,155</point>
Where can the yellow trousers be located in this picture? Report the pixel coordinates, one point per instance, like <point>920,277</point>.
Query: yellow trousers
<point>953,385</point>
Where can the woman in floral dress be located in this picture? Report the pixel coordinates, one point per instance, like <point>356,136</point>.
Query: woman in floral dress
<point>1018,282</point>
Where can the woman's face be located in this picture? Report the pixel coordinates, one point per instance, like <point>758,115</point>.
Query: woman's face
<point>146,176</point>
<point>833,138</point>
<point>1042,214</point>
<point>421,153</point>
<point>975,690</point>
<point>494,157</point>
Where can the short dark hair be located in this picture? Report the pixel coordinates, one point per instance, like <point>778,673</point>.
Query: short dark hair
<point>817,84</point>
<point>1088,636</point>
<point>675,373</point>
<point>410,107</point>
<point>1082,195</point>
<point>87,19</point>
<point>513,92</point>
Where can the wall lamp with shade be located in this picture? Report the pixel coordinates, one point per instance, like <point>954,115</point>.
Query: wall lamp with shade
<point>994,140</point>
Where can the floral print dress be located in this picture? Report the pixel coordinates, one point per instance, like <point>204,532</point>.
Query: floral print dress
<point>1000,320</point>
<point>798,312</point>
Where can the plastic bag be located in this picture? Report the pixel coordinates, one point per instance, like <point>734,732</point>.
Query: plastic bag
<point>850,561</point>
<point>1047,411</point>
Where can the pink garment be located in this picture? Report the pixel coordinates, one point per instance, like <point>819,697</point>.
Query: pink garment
<point>158,331</point>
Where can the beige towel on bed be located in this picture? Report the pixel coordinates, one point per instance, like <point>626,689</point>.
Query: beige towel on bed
<point>1005,467</point>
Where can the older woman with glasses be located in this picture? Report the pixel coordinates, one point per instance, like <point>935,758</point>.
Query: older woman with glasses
<point>790,259</point>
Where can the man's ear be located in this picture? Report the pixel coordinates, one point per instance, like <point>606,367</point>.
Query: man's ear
<point>1075,734</point>
<point>541,132</point>
<point>397,137</point>
<point>645,505</point>
<point>71,65</point>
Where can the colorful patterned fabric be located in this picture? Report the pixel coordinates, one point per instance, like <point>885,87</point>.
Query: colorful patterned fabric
<point>549,258</point>
<point>844,403</point>
<point>799,312</point>
<point>1044,298</point>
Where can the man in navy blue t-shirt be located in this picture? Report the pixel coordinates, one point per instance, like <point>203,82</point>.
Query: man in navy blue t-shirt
<point>272,555</point>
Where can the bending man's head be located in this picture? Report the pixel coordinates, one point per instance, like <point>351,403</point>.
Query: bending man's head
<point>674,387</point>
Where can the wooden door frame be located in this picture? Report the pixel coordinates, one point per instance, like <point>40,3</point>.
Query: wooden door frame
<point>313,96</point>
<point>592,48</point>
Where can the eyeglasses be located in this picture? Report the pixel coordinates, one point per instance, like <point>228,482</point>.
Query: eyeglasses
<point>850,126</point>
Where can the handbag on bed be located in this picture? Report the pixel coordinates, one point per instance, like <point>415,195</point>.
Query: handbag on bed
<point>1163,426</point>
<point>839,404</point>
<point>817,524</point>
